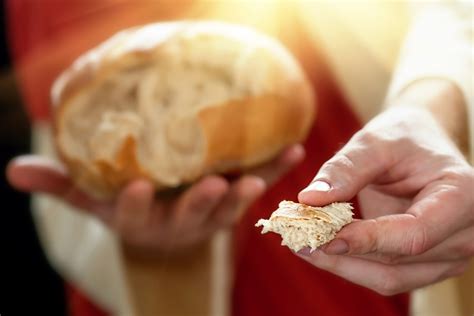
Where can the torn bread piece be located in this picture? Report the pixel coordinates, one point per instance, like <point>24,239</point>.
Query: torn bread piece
<point>302,225</point>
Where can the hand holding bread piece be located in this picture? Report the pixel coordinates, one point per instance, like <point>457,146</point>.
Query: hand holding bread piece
<point>303,226</point>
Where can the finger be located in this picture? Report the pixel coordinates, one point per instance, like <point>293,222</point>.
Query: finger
<point>198,202</point>
<point>242,193</point>
<point>275,169</point>
<point>457,247</point>
<point>33,173</point>
<point>422,227</point>
<point>133,209</point>
<point>356,165</point>
<point>239,195</point>
<point>400,234</point>
<point>385,279</point>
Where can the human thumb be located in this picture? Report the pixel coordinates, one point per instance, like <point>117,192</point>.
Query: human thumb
<point>342,177</point>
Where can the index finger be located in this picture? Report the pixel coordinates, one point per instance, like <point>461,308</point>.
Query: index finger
<point>32,173</point>
<point>440,211</point>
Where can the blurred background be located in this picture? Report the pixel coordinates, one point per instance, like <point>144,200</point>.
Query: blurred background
<point>26,276</point>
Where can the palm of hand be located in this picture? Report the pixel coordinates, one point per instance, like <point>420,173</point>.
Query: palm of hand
<point>145,221</point>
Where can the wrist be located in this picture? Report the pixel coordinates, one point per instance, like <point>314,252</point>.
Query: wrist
<point>444,101</point>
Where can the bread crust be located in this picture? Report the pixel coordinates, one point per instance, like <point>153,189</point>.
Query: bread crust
<point>240,141</point>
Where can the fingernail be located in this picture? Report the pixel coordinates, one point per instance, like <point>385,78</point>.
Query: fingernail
<point>336,247</point>
<point>318,185</point>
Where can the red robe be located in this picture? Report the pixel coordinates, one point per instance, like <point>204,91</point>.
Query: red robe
<point>269,280</point>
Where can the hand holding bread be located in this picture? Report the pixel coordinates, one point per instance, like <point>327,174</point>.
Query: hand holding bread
<point>171,102</point>
<point>153,223</point>
<point>169,107</point>
<point>415,193</point>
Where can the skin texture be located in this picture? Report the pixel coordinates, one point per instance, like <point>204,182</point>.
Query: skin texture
<point>415,190</point>
<point>148,223</point>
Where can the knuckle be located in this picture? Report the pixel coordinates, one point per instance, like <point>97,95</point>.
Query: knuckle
<point>377,143</point>
<point>467,250</point>
<point>390,283</point>
<point>470,249</point>
<point>457,269</point>
<point>363,238</point>
<point>367,137</point>
<point>462,178</point>
<point>379,138</point>
<point>326,262</point>
<point>391,259</point>
<point>340,164</point>
<point>339,161</point>
<point>462,175</point>
<point>372,234</point>
<point>405,141</point>
<point>382,135</point>
<point>417,243</point>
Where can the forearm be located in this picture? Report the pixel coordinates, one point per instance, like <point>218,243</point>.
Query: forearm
<point>435,67</point>
<point>444,101</point>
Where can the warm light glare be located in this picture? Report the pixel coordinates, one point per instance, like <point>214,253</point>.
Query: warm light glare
<point>379,25</point>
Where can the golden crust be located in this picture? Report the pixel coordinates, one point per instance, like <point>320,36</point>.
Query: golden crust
<point>244,133</point>
<point>298,211</point>
<point>103,178</point>
<point>124,168</point>
<point>293,211</point>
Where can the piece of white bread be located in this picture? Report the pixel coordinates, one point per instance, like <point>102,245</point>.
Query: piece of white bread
<point>170,102</point>
<point>303,226</point>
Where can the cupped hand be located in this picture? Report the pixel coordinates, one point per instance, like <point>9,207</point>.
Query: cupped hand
<point>416,194</point>
<point>153,222</point>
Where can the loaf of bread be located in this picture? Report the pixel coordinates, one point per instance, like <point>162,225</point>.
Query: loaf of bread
<point>303,226</point>
<point>171,102</point>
